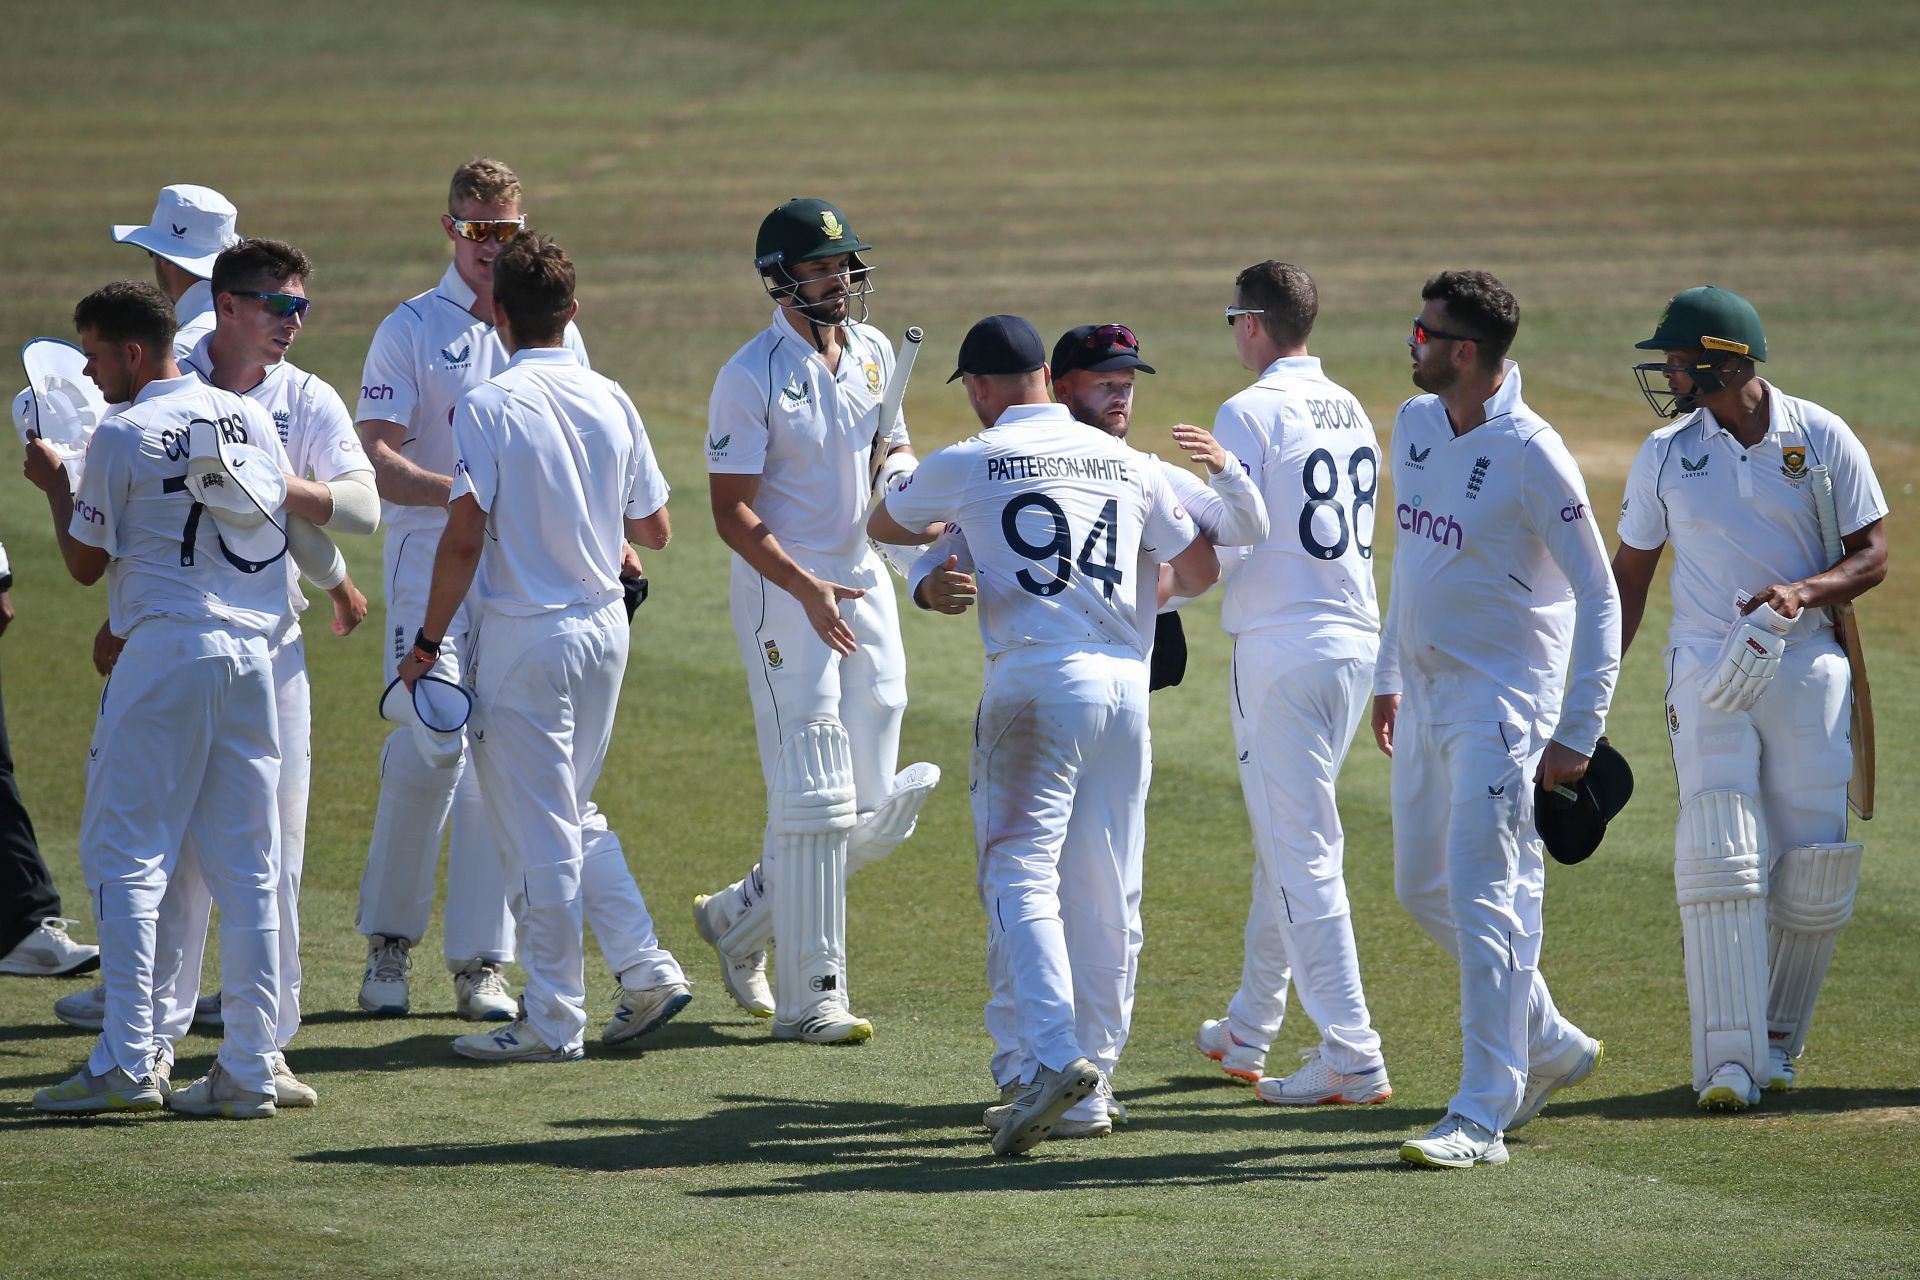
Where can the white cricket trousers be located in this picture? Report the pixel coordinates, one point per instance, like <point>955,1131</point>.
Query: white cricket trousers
<point>187,742</point>
<point>1470,867</point>
<point>1058,770</point>
<point>1293,722</point>
<point>185,910</point>
<point>396,891</point>
<point>545,690</point>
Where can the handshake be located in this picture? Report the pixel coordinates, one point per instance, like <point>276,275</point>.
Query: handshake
<point>1747,660</point>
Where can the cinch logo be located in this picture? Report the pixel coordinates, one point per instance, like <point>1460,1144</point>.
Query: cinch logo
<point>1422,523</point>
<point>1574,511</point>
<point>88,512</point>
<point>376,393</point>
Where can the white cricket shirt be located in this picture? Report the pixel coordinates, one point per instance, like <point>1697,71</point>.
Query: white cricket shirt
<point>168,561</point>
<point>1502,594</point>
<point>193,312</point>
<point>777,412</point>
<point>557,457</point>
<point>1060,518</point>
<point>425,356</point>
<point>1310,449</point>
<point>1743,518</point>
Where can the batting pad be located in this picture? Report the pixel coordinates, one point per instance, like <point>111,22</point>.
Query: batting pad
<point>1720,880</point>
<point>811,815</point>
<point>1812,900</point>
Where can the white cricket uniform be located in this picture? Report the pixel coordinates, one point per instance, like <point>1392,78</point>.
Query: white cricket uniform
<point>314,429</point>
<point>427,354</point>
<point>193,313</point>
<point>557,457</point>
<point>777,412</point>
<point>1062,519</point>
<point>187,739</point>
<point>1305,623</point>
<point>1502,599</point>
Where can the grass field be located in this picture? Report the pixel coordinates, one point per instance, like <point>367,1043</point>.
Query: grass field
<point>1070,163</point>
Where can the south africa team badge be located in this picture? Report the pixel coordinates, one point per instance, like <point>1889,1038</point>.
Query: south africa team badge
<point>1793,463</point>
<point>773,654</point>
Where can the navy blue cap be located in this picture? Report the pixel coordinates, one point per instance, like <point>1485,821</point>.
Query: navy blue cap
<point>1000,344</point>
<point>1098,348</point>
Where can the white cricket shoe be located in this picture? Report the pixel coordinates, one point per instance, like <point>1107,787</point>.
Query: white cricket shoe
<point>1116,1109</point>
<point>1543,1084</point>
<point>288,1091</point>
<point>1236,1057</point>
<point>89,1094</point>
<point>1317,1084</point>
<point>995,1119</point>
<point>218,1094</point>
<point>207,1015</point>
<point>745,976</point>
<point>86,1010</point>
<point>515,1042</point>
<point>163,1074</point>
<point>1780,1070</point>
<point>1729,1088</point>
<point>480,993</point>
<point>1455,1143</point>
<point>1031,1118</point>
<point>48,952</point>
<point>383,991</point>
<point>828,1022</point>
<point>635,1013</point>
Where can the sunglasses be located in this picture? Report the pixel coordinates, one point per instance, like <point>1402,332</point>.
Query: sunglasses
<point>1422,335</point>
<point>1234,313</point>
<point>478,230</point>
<point>1109,336</point>
<point>279,304</point>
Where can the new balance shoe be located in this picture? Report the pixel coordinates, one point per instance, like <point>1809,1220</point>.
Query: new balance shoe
<point>89,1094</point>
<point>1031,1118</point>
<point>828,1022</point>
<point>635,1013</point>
<point>86,1010</point>
<point>515,1042</point>
<point>1729,1088</point>
<point>1455,1143</point>
<point>995,1119</point>
<point>745,976</point>
<point>1564,1074</point>
<point>1116,1109</point>
<point>207,1015</point>
<point>219,1094</point>
<point>288,1091</point>
<point>1236,1057</point>
<point>48,952</point>
<point>480,993</point>
<point>383,991</point>
<point>1780,1070</point>
<point>1317,1084</point>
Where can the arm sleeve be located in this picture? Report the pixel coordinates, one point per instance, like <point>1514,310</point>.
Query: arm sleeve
<point>388,391</point>
<point>649,490</point>
<point>1168,530</point>
<point>315,553</point>
<point>736,424</point>
<point>333,457</point>
<point>1643,517</point>
<point>951,542</point>
<point>931,492</point>
<point>1856,489</point>
<point>477,470</point>
<point>356,503</point>
<point>104,486</point>
<point>1243,512</point>
<point>1555,497</point>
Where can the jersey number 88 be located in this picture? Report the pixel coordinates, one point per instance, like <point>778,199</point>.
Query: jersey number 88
<point>1323,513</point>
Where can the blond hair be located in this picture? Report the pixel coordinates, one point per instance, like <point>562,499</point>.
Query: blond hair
<point>482,180</point>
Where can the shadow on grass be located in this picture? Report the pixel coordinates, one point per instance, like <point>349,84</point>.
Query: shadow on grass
<point>1669,1104</point>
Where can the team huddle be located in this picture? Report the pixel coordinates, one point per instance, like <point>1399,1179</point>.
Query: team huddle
<point>210,474</point>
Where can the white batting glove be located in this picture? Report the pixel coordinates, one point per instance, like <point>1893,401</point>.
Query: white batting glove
<point>894,471</point>
<point>1747,661</point>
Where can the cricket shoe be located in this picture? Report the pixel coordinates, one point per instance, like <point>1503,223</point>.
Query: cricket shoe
<point>480,993</point>
<point>48,952</point>
<point>745,976</point>
<point>288,1091</point>
<point>383,991</point>
<point>90,1094</point>
<point>515,1042</point>
<point>1455,1143</point>
<point>1116,1109</point>
<point>635,1013</point>
<point>219,1094</point>
<point>828,1022</point>
<point>86,1010</point>
<point>995,1119</point>
<point>1543,1084</point>
<point>207,1014</point>
<point>1236,1057</point>
<point>1032,1117</point>
<point>163,1074</point>
<point>1317,1084</point>
<point>1780,1070</point>
<point>1729,1088</point>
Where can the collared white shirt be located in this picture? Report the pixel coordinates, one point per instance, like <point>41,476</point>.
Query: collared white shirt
<point>1060,517</point>
<point>193,312</point>
<point>425,356</point>
<point>1310,449</point>
<point>1502,594</point>
<point>779,413</point>
<point>557,457</point>
<point>1743,518</point>
<point>167,557</point>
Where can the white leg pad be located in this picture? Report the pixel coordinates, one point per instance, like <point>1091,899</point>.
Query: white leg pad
<point>1720,879</point>
<point>1811,901</point>
<point>809,820</point>
<point>886,828</point>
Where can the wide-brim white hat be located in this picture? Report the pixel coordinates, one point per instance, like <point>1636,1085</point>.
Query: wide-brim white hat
<point>243,489</point>
<point>191,226</point>
<point>61,404</point>
<point>437,710</point>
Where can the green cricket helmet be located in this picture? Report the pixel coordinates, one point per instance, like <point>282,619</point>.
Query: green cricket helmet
<point>1718,323</point>
<point>805,230</point>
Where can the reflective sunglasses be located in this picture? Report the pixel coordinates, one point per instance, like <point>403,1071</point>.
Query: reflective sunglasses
<point>1422,335</point>
<point>279,304</point>
<point>1234,313</point>
<point>478,230</point>
<point>1109,336</point>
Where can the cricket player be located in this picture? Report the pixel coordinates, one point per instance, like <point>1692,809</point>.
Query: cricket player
<point>1503,638</point>
<point>1059,517</point>
<point>1305,625</point>
<point>1758,686</point>
<point>190,227</point>
<point>553,463</point>
<point>178,508</point>
<point>793,447</point>
<point>432,350</point>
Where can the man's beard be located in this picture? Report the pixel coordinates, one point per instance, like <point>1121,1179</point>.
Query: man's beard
<point>1435,381</point>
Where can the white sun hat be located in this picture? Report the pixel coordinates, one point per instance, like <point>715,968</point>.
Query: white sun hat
<point>243,490</point>
<point>190,226</point>
<point>437,710</point>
